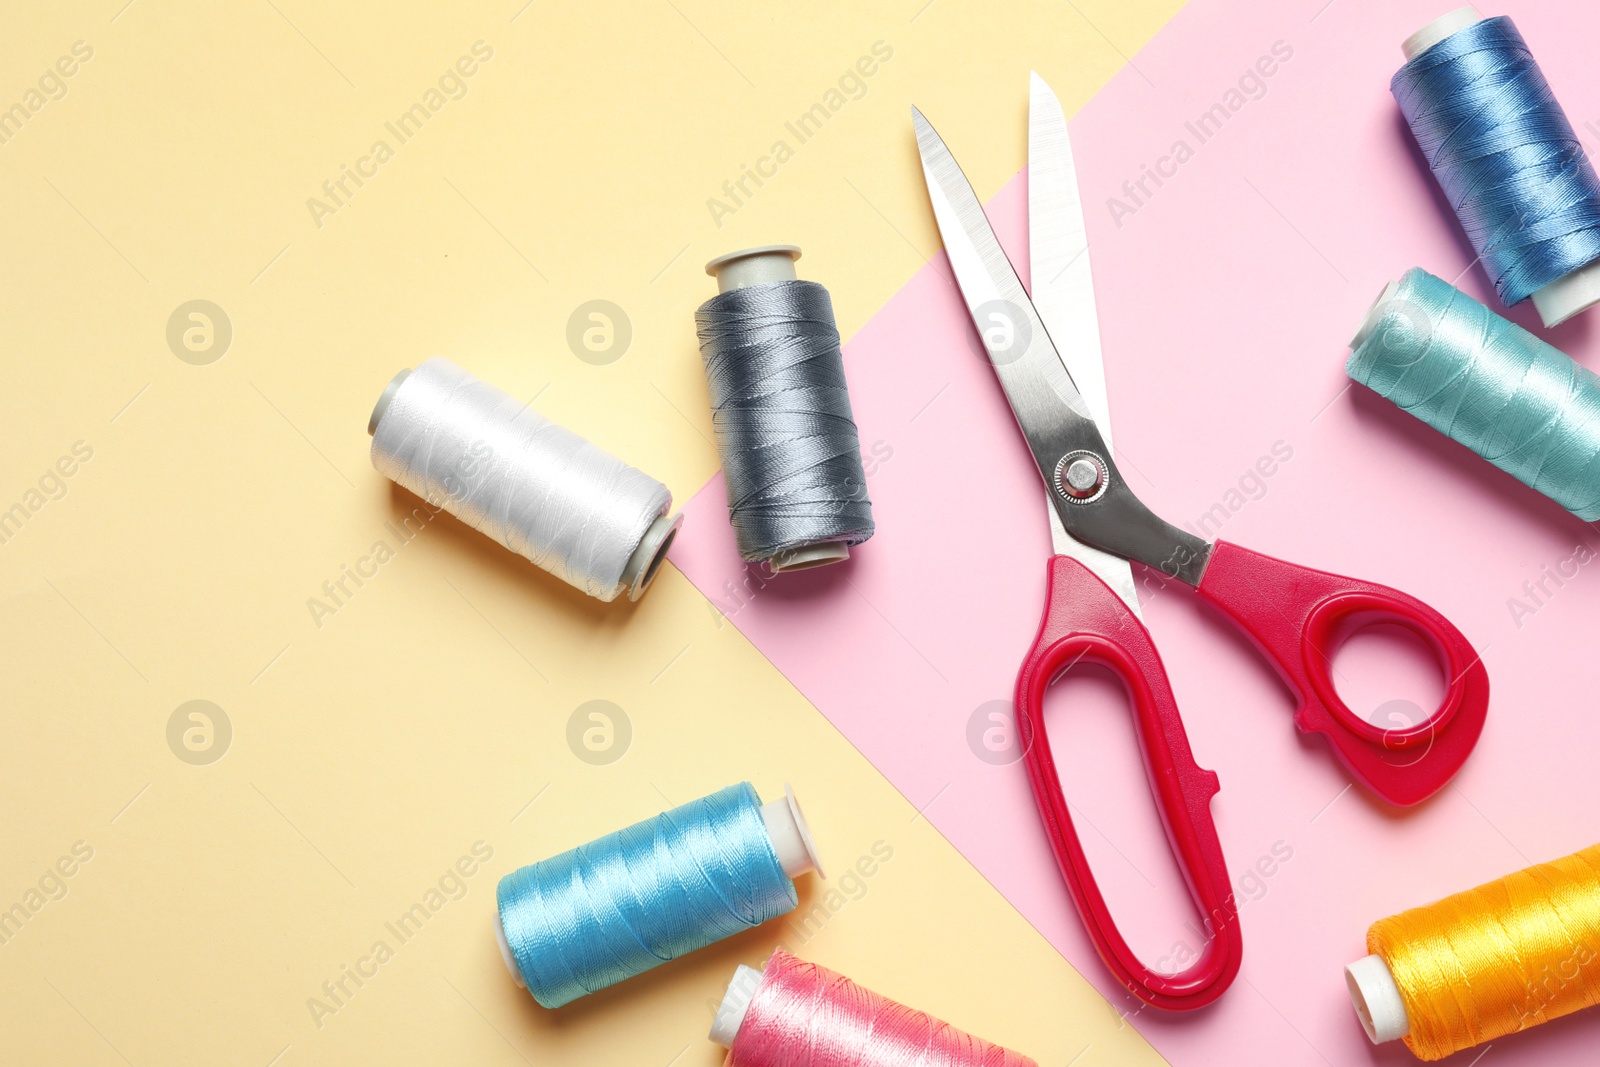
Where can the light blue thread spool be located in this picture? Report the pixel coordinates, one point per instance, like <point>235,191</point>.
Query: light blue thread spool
<point>618,906</point>
<point>1507,159</point>
<point>1487,383</point>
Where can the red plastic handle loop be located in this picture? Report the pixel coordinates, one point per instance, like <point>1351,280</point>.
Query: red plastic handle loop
<point>1085,621</point>
<point>1298,617</point>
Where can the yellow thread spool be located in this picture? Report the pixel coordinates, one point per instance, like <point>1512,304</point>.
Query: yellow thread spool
<point>1482,964</point>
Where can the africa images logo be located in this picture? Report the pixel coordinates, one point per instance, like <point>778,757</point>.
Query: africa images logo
<point>1250,86</point>
<point>338,191</point>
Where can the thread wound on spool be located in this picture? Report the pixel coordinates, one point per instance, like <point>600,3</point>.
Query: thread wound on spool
<point>659,889</point>
<point>780,408</point>
<point>537,488</point>
<point>1487,383</point>
<point>803,1013</point>
<point>1503,957</point>
<point>1505,155</point>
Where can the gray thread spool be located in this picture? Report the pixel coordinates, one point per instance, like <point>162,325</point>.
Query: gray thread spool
<point>596,544</point>
<point>762,266</point>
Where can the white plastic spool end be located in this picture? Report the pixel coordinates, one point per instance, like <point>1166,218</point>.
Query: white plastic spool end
<point>1438,30</point>
<point>646,560</point>
<point>505,951</point>
<point>383,401</point>
<point>807,556</point>
<point>791,835</point>
<point>1377,1000</point>
<point>735,1002</point>
<point>1568,295</point>
<point>1374,314</point>
<point>753,266</point>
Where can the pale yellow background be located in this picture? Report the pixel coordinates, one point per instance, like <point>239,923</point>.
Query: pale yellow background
<point>425,715</point>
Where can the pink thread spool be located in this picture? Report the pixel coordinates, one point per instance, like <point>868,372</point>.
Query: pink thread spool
<point>799,1013</point>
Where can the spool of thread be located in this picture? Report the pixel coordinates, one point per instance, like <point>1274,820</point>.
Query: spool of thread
<point>1482,964</point>
<point>791,458</point>
<point>679,881</point>
<point>540,490</point>
<point>799,1013</point>
<point>1507,159</point>
<point>1487,383</point>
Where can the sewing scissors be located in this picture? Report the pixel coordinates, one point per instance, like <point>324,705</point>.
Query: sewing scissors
<point>1046,353</point>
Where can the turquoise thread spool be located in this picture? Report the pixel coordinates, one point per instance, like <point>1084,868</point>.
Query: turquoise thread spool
<point>1487,383</point>
<point>614,908</point>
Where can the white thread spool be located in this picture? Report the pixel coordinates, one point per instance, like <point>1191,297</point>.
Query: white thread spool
<point>1569,294</point>
<point>537,488</point>
<point>791,839</point>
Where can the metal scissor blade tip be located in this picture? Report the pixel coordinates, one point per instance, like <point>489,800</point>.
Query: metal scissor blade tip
<point>927,136</point>
<point>944,174</point>
<point>1043,105</point>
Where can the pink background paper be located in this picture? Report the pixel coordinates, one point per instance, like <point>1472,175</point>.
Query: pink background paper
<point>1226,299</point>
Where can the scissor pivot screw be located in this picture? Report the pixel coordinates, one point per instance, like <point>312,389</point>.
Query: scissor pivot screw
<point>1081,477</point>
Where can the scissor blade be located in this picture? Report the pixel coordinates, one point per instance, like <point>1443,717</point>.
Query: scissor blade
<point>1063,295</point>
<point>1053,416</point>
<point>1063,288</point>
<point>1041,393</point>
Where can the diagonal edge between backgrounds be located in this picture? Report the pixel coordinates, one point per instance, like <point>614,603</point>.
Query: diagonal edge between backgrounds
<point>918,809</point>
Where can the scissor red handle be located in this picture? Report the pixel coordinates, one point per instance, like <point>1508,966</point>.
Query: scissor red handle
<point>1298,617</point>
<point>1084,620</point>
